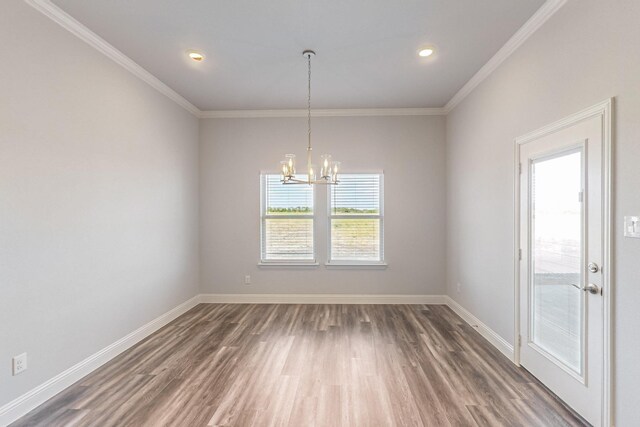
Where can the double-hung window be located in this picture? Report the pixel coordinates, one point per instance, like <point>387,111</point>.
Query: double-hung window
<point>356,220</point>
<point>287,221</point>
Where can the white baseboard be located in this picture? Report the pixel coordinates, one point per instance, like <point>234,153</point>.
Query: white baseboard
<point>489,334</point>
<point>320,299</point>
<point>30,400</point>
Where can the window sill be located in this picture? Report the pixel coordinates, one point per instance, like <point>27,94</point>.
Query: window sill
<point>356,265</point>
<point>311,264</point>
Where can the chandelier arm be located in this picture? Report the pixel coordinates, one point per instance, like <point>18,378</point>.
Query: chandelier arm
<point>302,182</point>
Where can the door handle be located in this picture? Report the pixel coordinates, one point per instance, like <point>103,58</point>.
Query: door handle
<point>591,288</point>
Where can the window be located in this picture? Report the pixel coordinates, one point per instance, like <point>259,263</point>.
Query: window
<point>356,219</point>
<point>287,221</point>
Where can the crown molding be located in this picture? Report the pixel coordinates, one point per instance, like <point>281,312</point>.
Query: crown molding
<point>53,12</point>
<point>542,15</point>
<point>59,16</point>
<point>363,112</point>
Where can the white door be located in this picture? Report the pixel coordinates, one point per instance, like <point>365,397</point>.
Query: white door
<point>561,239</point>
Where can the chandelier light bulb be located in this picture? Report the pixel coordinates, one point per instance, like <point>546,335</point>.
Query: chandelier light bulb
<point>334,172</point>
<point>325,171</point>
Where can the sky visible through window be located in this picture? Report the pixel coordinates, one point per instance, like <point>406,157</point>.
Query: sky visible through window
<point>357,193</point>
<point>557,256</point>
<point>288,198</point>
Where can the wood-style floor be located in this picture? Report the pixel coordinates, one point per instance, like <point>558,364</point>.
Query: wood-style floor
<point>308,365</point>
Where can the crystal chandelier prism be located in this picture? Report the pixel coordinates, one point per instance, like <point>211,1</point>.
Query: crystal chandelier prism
<point>328,168</point>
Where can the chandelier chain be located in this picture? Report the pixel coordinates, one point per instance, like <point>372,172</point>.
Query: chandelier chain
<point>309,100</point>
<point>328,170</point>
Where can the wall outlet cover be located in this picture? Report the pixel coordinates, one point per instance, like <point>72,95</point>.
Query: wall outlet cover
<point>19,363</point>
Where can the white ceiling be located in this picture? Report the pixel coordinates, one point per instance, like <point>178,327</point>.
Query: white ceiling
<point>366,49</point>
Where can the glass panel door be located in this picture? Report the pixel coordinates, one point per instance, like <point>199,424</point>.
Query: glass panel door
<point>557,229</point>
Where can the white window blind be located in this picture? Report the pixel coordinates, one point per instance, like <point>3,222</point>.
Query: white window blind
<point>356,219</point>
<point>287,221</point>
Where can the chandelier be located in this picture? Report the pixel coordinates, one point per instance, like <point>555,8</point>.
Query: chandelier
<point>328,169</point>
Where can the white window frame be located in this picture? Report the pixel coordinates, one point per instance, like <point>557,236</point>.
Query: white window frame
<point>264,216</point>
<point>381,263</point>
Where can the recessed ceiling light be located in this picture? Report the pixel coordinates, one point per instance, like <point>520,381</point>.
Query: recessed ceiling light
<point>196,56</point>
<point>427,51</point>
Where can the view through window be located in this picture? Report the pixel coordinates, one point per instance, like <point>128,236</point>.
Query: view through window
<point>355,218</point>
<point>287,221</point>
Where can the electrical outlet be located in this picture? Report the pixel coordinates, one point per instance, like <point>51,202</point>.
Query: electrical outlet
<point>247,280</point>
<point>19,363</point>
<point>459,287</point>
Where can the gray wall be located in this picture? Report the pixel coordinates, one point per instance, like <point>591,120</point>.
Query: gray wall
<point>99,190</point>
<point>98,200</point>
<point>587,52</point>
<point>411,152</point>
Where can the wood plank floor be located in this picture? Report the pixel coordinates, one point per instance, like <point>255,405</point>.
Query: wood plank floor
<point>308,365</point>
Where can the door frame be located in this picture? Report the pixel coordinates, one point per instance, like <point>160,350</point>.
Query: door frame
<point>604,110</point>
